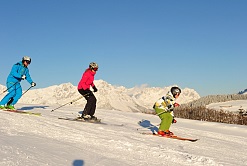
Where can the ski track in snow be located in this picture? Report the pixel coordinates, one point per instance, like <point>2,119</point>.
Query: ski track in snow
<point>47,140</point>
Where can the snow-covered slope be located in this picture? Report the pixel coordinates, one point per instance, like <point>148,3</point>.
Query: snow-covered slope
<point>31,140</point>
<point>137,99</point>
<point>233,106</point>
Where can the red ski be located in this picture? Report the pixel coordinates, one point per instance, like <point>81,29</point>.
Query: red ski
<point>173,137</point>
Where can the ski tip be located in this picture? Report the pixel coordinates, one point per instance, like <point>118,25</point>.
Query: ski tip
<point>193,140</point>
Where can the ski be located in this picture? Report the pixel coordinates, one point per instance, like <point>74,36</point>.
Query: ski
<point>22,112</point>
<point>98,121</point>
<point>90,121</point>
<point>173,137</point>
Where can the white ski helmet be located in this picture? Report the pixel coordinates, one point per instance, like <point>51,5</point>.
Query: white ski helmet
<point>26,58</point>
<point>93,65</point>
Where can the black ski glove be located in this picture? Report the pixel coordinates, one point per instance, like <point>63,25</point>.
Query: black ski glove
<point>95,89</point>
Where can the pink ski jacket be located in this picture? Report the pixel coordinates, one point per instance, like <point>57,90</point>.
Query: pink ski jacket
<point>86,80</point>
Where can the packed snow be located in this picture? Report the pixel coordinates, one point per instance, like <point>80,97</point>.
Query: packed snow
<point>46,140</point>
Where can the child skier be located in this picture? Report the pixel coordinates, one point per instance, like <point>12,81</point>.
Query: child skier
<point>164,109</point>
<point>19,72</point>
<point>84,89</point>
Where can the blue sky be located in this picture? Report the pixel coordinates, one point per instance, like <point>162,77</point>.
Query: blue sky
<point>196,44</point>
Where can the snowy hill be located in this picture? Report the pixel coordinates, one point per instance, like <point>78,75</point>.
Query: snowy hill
<point>28,140</point>
<point>137,99</point>
<point>46,140</point>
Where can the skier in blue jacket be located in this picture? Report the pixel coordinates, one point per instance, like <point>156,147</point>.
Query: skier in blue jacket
<point>18,72</point>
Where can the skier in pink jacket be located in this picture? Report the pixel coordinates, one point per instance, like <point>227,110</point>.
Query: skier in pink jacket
<point>84,89</point>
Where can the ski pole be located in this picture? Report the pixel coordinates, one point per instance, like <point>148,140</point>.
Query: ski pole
<point>69,102</point>
<point>8,88</point>
<point>26,90</point>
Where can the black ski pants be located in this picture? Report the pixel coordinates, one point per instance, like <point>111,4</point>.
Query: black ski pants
<point>91,101</point>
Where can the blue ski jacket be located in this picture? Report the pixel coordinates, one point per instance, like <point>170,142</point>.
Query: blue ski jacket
<point>17,71</point>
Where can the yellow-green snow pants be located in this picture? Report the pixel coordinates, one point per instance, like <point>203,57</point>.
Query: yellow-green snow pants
<point>166,119</point>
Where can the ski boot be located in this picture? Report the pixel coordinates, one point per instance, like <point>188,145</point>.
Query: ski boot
<point>166,133</point>
<point>10,107</point>
<point>86,117</point>
<point>169,133</point>
<point>161,133</point>
<point>95,119</point>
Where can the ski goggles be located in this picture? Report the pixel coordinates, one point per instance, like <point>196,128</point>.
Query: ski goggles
<point>28,62</point>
